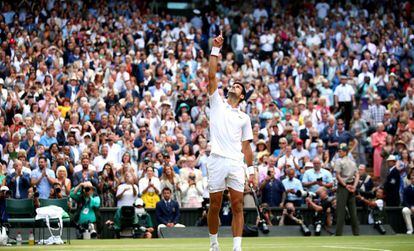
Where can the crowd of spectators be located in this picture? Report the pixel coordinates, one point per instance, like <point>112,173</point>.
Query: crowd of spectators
<point>115,94</point>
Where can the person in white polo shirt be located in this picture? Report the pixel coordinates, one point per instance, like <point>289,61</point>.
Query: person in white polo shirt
<point>231,133</point>
<point>345,100</point>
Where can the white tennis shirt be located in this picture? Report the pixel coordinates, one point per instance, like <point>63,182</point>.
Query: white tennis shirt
<point>228,128</point>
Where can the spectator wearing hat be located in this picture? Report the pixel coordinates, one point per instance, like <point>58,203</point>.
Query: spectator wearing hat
<point>261,149</point>
<point>88,203</point>
<point>347,176</point>
<point>392,183</point>
<point>301,154</point>
<point>378,142</point>
<point>317,176</point>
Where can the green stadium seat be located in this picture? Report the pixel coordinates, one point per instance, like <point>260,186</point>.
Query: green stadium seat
<point>21,213</point>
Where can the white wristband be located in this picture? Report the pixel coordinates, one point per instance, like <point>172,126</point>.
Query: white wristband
<point>250,170</point>
<point>215,51</point>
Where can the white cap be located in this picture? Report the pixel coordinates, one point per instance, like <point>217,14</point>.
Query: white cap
<point>139,202</point>
<point>4,188</point>
<point>308,164</point>
<point>391,158</point>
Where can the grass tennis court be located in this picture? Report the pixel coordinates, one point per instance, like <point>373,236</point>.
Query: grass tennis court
<point>397,242</point>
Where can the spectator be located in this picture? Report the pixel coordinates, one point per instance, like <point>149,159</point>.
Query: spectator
<point>127,193</point>
<point>378,142</point>
<point>149,188</point>
<point>192,192</point>
<point>43,178</point>
<point>408,203</point>
<point>49,138</point>
<point>173,181</point>
<point>18,181</point>
<point>108,185</point>
<point>292,185</point>
<point>87,203</point>
<point>272,190</point>
<point>392,183</point>
<point>316,177</point>
<point>86,173</point>
<point>167,211</point>
<point>62,179</point>
<point>144,219</point>
<point>345,100</point>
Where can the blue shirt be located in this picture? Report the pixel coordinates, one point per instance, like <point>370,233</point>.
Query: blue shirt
<point>43,187</point>
<point>294,184</point>
<point>272,193</point>
<point>46,141</point>
<point>311,176</point>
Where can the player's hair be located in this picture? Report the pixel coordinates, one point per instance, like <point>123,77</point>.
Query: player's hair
<point>243,90</point>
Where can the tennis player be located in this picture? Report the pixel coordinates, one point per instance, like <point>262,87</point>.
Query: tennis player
<point>231,133</point>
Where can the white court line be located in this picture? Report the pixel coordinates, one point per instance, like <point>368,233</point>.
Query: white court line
<point>356,248</point>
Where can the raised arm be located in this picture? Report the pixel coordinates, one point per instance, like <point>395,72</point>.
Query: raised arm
<point>212,81</point>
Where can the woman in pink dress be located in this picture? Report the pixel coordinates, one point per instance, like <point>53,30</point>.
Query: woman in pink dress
<point>378,142</point>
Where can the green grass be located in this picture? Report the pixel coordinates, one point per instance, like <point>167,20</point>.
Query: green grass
<point>364,243</point>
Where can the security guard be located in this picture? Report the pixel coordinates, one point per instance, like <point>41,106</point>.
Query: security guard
<point>347,176</point>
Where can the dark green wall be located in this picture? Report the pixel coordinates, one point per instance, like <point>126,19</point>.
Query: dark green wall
<point>190,216</point>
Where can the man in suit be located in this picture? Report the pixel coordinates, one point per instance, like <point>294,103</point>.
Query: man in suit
<point>85,174</point>
<point>167,211</point>
<point>18,182</point>
<point>62,135</point>
<point>392,183</point>
<point>408,203</point>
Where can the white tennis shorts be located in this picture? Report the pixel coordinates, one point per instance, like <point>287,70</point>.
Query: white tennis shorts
<point>223,172</point>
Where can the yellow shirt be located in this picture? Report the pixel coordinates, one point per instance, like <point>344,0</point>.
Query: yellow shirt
<point>64,110</point>
<point>150,199</point>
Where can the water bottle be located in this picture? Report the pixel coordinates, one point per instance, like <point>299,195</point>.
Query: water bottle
<point>31,239</point>
<point>18,239</point>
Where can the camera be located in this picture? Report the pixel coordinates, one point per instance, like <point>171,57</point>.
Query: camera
<point>305,230</point>
<point>378,226</point>
<point>147,160</point>
<point>263,226</point>
<point>319,179</point>
<point>269,173</point>
<point>191,177</point>
<point>86,189</point>
<point>305,194</point>
<point>92,231</point>
<point>367,195</point>
<point>318,227</point>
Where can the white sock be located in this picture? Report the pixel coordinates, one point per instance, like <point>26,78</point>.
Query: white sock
<point>213,239</point>
<point>237,242</point>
